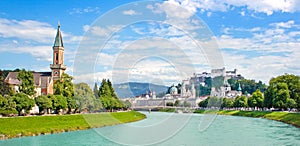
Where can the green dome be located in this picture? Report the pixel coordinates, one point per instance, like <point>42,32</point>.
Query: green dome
<point>173,89</point>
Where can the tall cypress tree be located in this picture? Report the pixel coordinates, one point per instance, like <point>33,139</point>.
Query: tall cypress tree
<point>108,97</point>
<point>113,93</point>
<point>96,91</point>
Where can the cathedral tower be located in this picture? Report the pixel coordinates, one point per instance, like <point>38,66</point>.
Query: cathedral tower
<point>58,66</point>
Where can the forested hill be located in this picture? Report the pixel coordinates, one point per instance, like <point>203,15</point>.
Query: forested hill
<point>132,89</point>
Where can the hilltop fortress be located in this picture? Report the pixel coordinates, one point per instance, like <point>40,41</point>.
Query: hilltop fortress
<point>188,92</point>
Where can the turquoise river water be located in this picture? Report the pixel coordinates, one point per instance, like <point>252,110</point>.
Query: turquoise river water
<point>175,129</point>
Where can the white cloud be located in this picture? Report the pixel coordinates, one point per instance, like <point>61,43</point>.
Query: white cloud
<point>91,78</point>
<point>101,31</point>
<point>268,53</point>
<point>262,40</point>
<point>243,13</point>
<point>287,24</point>
<point>131,12</point>
<point>39,52</point>
<point>32,31</point>
<point>259,68</point>
<point>32,37</point>
<point>26,29</point>
<point>264,6</point>
<point>84,10</point>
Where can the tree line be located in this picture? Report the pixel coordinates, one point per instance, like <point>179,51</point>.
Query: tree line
<point>282,93</point>
<point>67,97</point>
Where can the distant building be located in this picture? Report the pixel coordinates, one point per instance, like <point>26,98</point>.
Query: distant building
<point>218,72</point>
<point>43,81</point>
<point>188,89</point>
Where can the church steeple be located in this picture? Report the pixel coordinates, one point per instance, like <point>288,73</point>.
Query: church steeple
<point>58,66</point>
<point>58,39</point>
<point>239,87</point>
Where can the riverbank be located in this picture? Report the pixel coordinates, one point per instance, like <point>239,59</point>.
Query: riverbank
<point>40,125</point>
<point>286,117</point>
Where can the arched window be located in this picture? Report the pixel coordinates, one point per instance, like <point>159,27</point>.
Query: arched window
<point>56,58</point>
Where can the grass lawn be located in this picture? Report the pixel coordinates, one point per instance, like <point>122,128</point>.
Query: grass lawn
<point>171,110</point>
<point>35,125</point>
<point>286,117</point>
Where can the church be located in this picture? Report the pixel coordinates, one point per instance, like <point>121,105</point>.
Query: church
<point>43,81</point>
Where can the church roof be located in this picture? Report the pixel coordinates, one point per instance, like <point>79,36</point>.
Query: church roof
<point>41,79</point>
<point>58,39</point>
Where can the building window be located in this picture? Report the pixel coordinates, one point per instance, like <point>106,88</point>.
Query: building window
<point>56,57</point>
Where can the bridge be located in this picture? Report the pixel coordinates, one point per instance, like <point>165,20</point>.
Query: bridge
<point>157,104</point>
<point>157,108</point>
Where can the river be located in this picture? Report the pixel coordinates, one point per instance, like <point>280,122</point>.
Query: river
<point>175,129</point>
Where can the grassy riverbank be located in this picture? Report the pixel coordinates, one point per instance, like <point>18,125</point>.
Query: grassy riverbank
<point>286,117</point>
<point>36,125</point>
<point>169,110</point>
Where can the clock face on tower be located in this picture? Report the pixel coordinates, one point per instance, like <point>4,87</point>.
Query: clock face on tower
<point>55,73</point>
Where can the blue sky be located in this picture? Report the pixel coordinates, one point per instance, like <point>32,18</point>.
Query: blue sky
<point>165,41</point>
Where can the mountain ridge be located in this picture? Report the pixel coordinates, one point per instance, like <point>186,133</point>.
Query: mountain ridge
<point>132,89</point>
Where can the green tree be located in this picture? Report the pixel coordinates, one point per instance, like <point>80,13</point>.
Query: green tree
<point>248,86</point>
<point>104,90</point>
<point>203,90</point>
<point>256,100</point>
<point>281,95</point>
<point>59,102</point>
<point>43,102</point>
<point>233,83</point>
<point>204,103</point>
<point>4,87</point>
<point>227,103</point>
<point>176,103</point>
<point>261,86</point>
<point>7,106</point>
<point>64,86</point>
<point>214,102</point>
<point>85,98</point>
<point>118,104</point>
<point>291,103</point>
<point>127,104</point>
<point>23,102</point>
<point>112,91</point>
<point>218,81</point>
<point>108,97</point>
<point>71,104</point>
<point>106,103</point>
<point>27,82</point>
<point>293,85</point>
<point>269,96</point>
<point>240,101</point>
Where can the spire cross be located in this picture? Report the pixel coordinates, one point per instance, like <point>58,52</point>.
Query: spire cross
<point>58,24</point>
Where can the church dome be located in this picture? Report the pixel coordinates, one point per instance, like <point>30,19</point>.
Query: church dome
<point>173,90</point>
